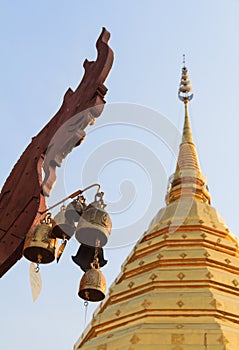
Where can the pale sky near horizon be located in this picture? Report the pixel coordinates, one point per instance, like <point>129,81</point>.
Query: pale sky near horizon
<point>43,46</point>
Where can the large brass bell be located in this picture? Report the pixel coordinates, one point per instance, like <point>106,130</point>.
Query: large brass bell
<point>92,285</point>
<point>75,209</point>
<point>40,246</point>
<point>62,228</point>
<point>94,224</point>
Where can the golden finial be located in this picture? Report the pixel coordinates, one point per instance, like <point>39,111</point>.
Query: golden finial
<point>185,92</point>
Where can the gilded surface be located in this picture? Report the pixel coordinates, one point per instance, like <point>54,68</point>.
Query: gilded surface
<point>179,288</point>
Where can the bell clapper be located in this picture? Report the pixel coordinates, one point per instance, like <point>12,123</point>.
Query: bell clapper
<point>39,260</point>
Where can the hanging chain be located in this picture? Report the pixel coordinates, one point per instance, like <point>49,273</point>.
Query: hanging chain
<point>47,219</point>
<point>95,262</point>
<point>99,202</point>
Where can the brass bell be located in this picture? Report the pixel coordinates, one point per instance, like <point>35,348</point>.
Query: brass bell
<point>39,246</point>
<point>92,285</point>
<point>94,224</point>
<point>74,209</point>
<point>85,256</point>
<point>62,228</point>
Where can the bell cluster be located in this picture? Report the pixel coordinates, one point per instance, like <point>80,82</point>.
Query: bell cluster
<point>91,225</point>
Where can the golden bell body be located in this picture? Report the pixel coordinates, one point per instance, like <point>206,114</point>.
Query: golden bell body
<point>94,226</point>
<point>39,247</point>
<point>92,285</point>
<point>62,228</point>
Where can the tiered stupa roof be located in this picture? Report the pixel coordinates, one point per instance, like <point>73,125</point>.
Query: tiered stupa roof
<point>179,288</point>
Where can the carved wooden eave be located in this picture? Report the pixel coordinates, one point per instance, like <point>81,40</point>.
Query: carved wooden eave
<point>23,194</point>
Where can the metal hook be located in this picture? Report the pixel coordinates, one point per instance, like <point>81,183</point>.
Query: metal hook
<point>37,268</point>
<point>73,195</point>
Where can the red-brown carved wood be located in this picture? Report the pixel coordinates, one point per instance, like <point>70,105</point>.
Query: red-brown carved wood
<point>23,194</point>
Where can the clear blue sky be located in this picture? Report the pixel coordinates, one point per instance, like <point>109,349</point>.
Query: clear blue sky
<point>130,150</point>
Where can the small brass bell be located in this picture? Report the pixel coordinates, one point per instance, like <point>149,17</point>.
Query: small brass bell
<point>94,224</point>
<point>74,209</point>
<point>62,228</point>
<point>39,246</point>
<point>92,285</point>
<point>85,256</point>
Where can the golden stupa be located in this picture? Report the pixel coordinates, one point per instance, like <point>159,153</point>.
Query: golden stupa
<point>179,288</point>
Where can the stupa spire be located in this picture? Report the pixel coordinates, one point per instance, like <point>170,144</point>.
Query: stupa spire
<point>188,181</point>
<point>185,94</point>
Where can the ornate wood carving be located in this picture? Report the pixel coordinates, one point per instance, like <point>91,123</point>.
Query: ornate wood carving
<point>23,194</point>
